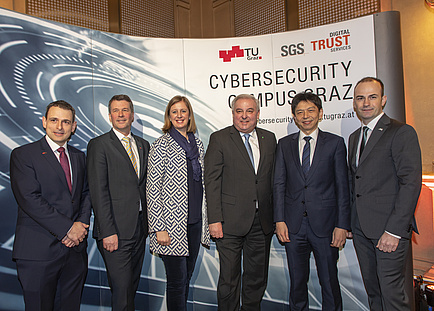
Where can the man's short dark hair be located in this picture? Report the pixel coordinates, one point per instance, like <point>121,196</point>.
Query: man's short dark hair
<point>307,97</point>
<point>61,104</point>
<point>371,79</point>
<point>119,98</point>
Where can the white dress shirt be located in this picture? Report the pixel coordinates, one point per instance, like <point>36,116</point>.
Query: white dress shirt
<point>312,142</point>
<point>254,143</point>
<point>54,147</point>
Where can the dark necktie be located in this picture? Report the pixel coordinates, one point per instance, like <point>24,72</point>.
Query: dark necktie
<point>65,165</point>
<point>305,158</point>
<point>364,139</point>
<point>249,148</point>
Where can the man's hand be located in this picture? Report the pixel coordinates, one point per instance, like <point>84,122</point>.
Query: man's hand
<point>67,242</point>
<point>387,243</point>
<point>216,230</point>
<point>78,232</point>
<point>110,243</point>
<point>163,238</point>
<point>282,232</point>
<point>339,237</point>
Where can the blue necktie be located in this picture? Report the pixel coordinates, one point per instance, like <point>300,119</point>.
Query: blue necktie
<point>305,163</point>
<point>249,148</point>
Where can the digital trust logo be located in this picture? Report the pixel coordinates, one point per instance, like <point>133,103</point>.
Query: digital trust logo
<point>336,41</point>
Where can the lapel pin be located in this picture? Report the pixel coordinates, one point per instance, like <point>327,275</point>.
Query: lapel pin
<point>44,152</point>
<point>380,129</point>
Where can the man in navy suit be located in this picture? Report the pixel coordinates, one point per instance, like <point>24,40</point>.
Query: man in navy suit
<point>48,179</point>
<point>311,202</point>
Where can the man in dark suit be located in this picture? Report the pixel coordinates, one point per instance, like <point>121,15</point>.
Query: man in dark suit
<point>311,203</point>
<point>116,163</point>
<point>386,178</point>
<point>238,184</point>
<point>48,179</point>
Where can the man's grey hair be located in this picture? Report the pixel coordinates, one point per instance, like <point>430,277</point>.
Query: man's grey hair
<point>246,96</point>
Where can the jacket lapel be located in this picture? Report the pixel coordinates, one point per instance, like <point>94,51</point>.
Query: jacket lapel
<point>74,167</point>
<point>376,134</point>
<point>143,155</point>
<point>261,142</point>
<point>320,144</point>
<point>293,145</point>
<point>353,143</point>
<point>119,147</point>
<point>51,158</point>
<point>238,141</point>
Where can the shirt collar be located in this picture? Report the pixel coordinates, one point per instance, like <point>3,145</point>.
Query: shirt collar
<point>252,134</point>
<point>371,125</point>
<point>119,135</point>
<point>55,146</point>
<point>314,135</point>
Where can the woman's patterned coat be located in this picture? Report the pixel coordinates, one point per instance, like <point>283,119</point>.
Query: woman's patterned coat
<point>167,196</point>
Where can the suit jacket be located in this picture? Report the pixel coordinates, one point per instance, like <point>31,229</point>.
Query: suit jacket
<point>115,189</point>
<point>231,185</point>
<point>167,196</point>
<point>323,193</point>
<point>46,207</point>
<point>386,184</point>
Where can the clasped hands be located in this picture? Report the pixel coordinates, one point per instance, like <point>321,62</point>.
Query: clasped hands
<point>76,234</point>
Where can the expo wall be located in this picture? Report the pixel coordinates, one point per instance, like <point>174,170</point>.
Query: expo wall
<point>43,61</point>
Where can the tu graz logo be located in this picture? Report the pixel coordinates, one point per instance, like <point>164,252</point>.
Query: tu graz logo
<point>237,51</point>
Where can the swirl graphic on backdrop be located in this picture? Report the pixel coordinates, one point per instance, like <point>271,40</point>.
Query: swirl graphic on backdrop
<point>45,61</point>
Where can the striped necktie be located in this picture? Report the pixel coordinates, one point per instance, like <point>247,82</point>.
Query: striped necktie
<point>127,142</point>
<point>305,163</point>
<point>249,148</point>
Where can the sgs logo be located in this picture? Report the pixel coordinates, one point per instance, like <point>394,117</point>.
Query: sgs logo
<point>292,49</point>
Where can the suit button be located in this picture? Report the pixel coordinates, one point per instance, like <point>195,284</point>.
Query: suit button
<point>305,187</point>
<point>305,214</point>
<point>357,177</point>
<point>256,182</point>
<point>358,195</point>
<point>72,201</point>
<point>302,202</point>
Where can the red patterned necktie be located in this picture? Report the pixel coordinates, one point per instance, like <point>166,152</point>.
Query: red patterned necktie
<point>65,165</point>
